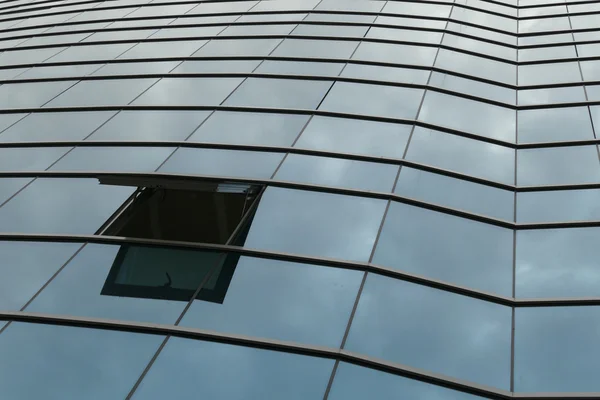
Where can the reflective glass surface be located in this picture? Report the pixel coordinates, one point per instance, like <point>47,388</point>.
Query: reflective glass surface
<point>150,125</point>
<point>10,186</point>
<point>555,349</point>
<point>25,95</point>
<point>554,124</point>
<point>224,163</point>
<point>316,224</point>
<point>441,332</point>
<point>338,172</point>
<point>55,126</point>
<point>57,205</point>
<point>315,48</point>
<point>357,383</point>
<point>395,53</point>
<point>377,100</point>
<point>29,158</point>
<point>86,286</point>
<point>355,136</point>
<point>237,47</point>
<point>250,128</point>
<point>223,371</point>
<point>448,248</point>
<point>102,93</point>
<point>467,156</point>
<point>469,116</point>
<point>281,300</point>
<point>118,159</point>
<point>196,91</point>
<point>557,263</point>
<point>66,362</point>
<point>26,267</point>
<point>456,193</point>
<point>560,165</point>
<point>558,205</point>
<point>279,93</point>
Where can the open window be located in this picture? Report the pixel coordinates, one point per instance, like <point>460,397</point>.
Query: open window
<point>201,212</point>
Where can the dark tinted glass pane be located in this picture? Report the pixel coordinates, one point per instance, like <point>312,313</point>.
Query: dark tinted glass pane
<point>281,300</point>
<point>316,224</point>
<point>357,383</point>
<point>26,267</point>
<point>558,263</point>
<point>62,206</point>
<point>127,283</point>
<point>434,330</point>
<point>448,248</point>
<point>71,363</point>
<point>556,349</point>
<point>221,371</point>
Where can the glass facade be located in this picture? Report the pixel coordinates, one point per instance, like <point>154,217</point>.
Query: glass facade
<point>299,199</point>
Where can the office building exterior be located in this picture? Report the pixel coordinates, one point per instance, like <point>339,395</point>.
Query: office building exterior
<point>299,199</point>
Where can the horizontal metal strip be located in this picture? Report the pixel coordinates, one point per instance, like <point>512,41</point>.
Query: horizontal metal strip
<point>310,260</point>
<point>188,179</point>
<point>259,343</point>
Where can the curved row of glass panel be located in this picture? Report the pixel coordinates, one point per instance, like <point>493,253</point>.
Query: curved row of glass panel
<point>449,334</point>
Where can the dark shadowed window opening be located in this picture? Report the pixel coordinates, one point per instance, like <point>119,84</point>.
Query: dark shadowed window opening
<point>201,212</point>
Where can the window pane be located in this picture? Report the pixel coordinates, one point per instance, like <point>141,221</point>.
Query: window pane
<point>550,96</point>
<point>558,263</point>
<point>263,293</point>
<point>316,224</point>
<point>26,267</point>
<point>540,74</point>
<point>102,93</point>
<point>477,46</point>
<point>447,248</point>
<point>315,48</point>
<point>224,163</point>
<point>386,74</point>
<point>189,91</point>
<point>107,282</point>
<point>426,10</point>
<point>590,70</point>
<point>256,30</point>
<point>547,53</point>
<point>135,68</point>
<point>554,124</point>
<point>476,66</point>
<point>469,116</point>
<point>29,158</point>
<point>338,172</point>
<point>32,56</point>
<point>237,47</point>
<point>462,155</point>
<point>75,206</point>
<point>223,371</point>
<point>300,68</point>
<point>279,93</point>
<point>26,95</point>
<point>556,166</point>
<point>456,193</point>
<point>545,24</point>
<point>181,48</point>
<point>331,30</point>
<point>395,53</point>
<point>77,363</point>
<point>55,126</point>
<point>559,205</point>
<point>10,186</point>
<point>250,128</point>
<point>118,159</point>
<point>571,334</point>
<point>216,66</point>
<point>378,100</point>
<point>473,88</point>
<point>92,52</point>
<point>430,329</point>
<point>153,125</point>
<point>356,383</point>
<point>355,136</point>
<point>405,35</point>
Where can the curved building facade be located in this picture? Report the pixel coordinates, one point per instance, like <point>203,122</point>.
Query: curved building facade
<point>299,199</point>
